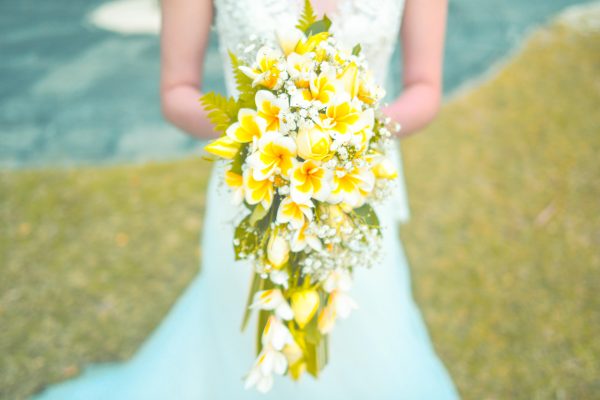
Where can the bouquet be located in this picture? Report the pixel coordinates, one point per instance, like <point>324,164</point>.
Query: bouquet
<point>305,148</point>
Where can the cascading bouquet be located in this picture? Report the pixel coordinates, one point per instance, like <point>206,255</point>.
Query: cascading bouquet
<point>305,146</point>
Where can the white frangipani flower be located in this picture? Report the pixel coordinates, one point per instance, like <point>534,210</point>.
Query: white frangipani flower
<point>294,213</point>
<point>338,279</point>
<point>301,239</point>
<point>276,334</point>
<point>272,299</point>
<point>270,361</point>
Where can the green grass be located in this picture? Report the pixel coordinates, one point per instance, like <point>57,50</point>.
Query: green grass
<point>92,261</point>
<point>504,240</point>
<point>505,235</point>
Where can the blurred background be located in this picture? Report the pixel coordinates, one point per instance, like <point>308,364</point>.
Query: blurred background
<point>101,202</point>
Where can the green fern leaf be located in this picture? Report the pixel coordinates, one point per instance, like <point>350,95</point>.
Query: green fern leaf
<point>222,111</point>
<point>243,83</point>
<point>307,18</point>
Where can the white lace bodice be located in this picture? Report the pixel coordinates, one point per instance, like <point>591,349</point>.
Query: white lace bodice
<point>374,25</point>
<point>352,23</point>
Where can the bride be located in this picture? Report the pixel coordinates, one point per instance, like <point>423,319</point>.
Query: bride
<point>383,350</point>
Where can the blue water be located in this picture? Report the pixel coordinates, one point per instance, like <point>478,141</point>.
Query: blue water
<point>73,94</point>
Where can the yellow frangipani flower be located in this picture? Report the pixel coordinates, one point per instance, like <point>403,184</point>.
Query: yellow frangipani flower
<point>349,79</point>
<point>223,147</point>
<point>351,186</point>
<point>268,107</point>
<point>289,38</point>
<point>309,179</point>
<point>300,67</point>
<point>342,117</point>
<point>301,239</point>
<point>247,127</point>
<point>360,139</point>
<point>341,56</point>
<point>385,169</point>
<point>235,182</point>
<point>368,91</point>
<point>278,250</point>
<point>276,334</point>
<point>266,70</point>
<point>256,191</point>
<point>295,357</point>
<point>305,304</point>
<point>339,304</point>
<point>326,319</point>
<point>321,88</point>
<point>309,44</point>
<point>313,143</point>
<point>276,154</point>
<point>273,299</point>
<point>294,213</point>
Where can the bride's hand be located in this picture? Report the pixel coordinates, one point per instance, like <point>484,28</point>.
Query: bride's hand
<point>423,31</point>
<point>183,41</point>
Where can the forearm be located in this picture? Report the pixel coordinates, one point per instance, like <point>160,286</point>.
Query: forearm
<point>423,32</point>
<point>181,107</point>
<point>415,108</point>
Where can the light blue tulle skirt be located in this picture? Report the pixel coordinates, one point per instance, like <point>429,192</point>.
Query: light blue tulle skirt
<point>382,351</point>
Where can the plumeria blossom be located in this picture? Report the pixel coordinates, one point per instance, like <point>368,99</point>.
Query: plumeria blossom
<point>296,214</point>
<point>309,179</point>
<point>351,186</point>
<point>269,107</point>
<point>342,117</point>
<point>278,251</point>
<point>257,191</point>
<point>338,279</point>
<point>300,67</point>
<point>289,38</point>
<point>302,239</point>
<point>339,305</point>
<point>368,91</point>
<point>272,299</point>
<point>266,71</point>
<point>321,88</point>
<point>236,183</point>
<point>224,147</point>
<point>305,304</point>
<point>247,127</point>
<point>275,154</point>
<point>350,80</point>
<point>269,362</point>
<point>385,169</point>
<point>310,43</point>
<point>313,143</point>
<point>276,334</point>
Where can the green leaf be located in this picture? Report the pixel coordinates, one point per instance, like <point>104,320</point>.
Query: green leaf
<point>222,111</point>
<point>246,239</point>
<point>258,213</point>
<point>356,50</point>
<point>307,18</point>
<point>255,286</point>
<point>238,160</point>
<point>368,215</point>
<point>319,26</point>
<point>313,334</point>
<point>243,84</point>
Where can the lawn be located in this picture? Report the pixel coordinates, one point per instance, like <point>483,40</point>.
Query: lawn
<point>503,242</point>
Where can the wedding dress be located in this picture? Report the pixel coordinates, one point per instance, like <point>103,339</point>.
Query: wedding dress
<point>382,351</point>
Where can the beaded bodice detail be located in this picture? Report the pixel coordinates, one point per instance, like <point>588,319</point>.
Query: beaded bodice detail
<point>372,24</point>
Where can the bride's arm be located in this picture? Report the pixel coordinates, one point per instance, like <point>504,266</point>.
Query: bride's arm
<point>183,40</point>
<point>423,31</point>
